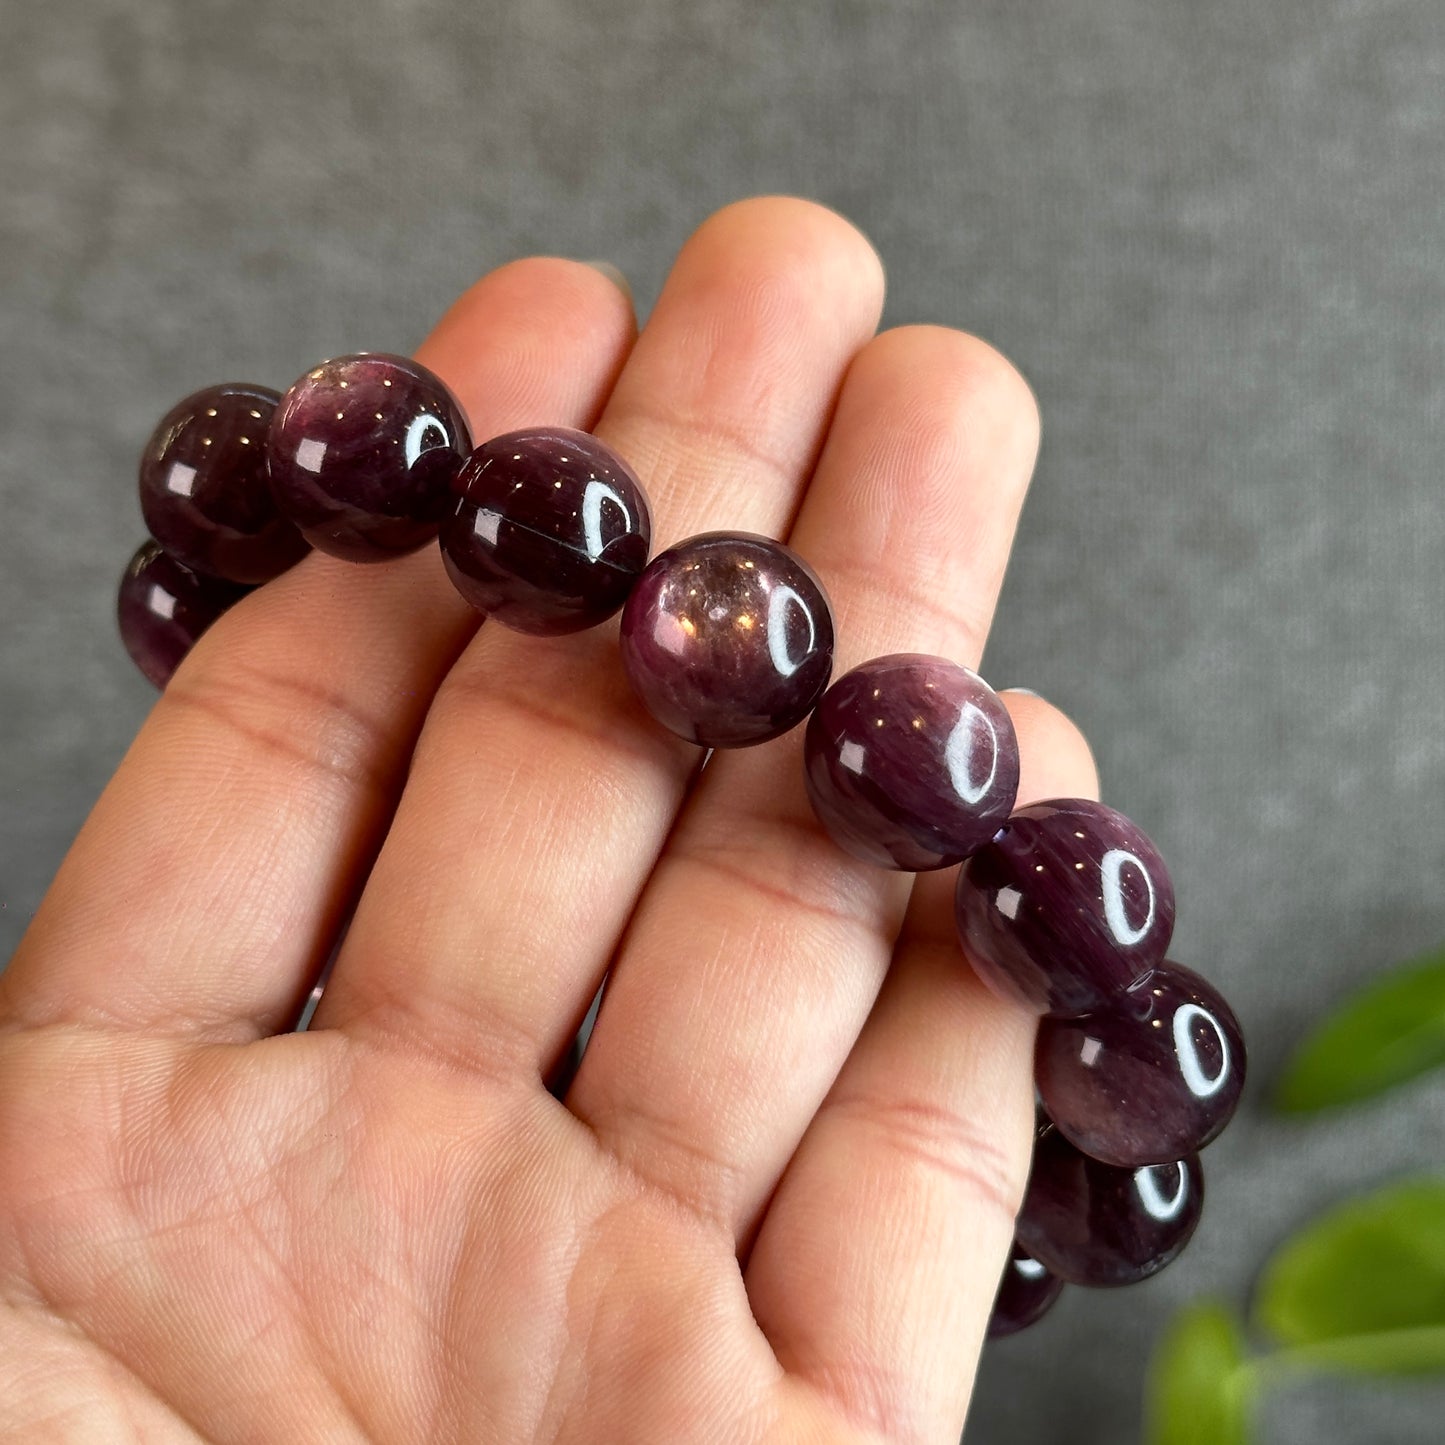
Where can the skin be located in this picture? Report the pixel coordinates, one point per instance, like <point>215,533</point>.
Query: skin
<point>776,1202</point>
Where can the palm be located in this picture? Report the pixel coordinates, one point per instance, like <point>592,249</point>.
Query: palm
<point>332,1244</point>
<point>776,1199</point>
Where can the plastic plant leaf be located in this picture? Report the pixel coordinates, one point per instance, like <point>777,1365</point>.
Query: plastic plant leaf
<point>1391,1031</point>
<point>1200,1389</point>
<point>1362,1287</point>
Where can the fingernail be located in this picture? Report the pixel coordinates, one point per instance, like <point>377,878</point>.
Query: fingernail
<point>1024,691</point>
<point>613,275</point>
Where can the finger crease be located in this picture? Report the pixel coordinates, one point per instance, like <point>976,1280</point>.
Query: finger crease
<point>704,1192</point>
<point>817,890</point>
<point>941,1141</point>
<point>892,596</point>
<point>344,742</point>
<point>710,439</point>
<point>602,728</point>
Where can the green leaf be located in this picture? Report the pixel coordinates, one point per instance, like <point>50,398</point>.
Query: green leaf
<point>1392,1352</point>
<point>1391,1031</point>
<point>1200,1388</point>
<point>1363,1286</point>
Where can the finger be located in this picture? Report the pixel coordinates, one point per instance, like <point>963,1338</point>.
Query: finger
<point>876,1266</point>
<point>204,891</point>
<point>541,791</point>
<point>759,946</point>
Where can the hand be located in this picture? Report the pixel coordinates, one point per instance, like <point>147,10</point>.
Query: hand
<point>778,1198</point>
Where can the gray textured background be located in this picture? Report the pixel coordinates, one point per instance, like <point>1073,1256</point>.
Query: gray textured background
<point>1212,235</point>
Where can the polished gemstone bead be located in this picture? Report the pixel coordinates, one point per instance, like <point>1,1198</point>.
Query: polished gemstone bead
<point>1066,908</point>
<point>551,531</point>
<point>728,639</point>
<point>1096,1224</point>
<point>1026,1293</point>
<point>204,491</point>
<point>912,761</point>
<point>162,608</point>
<point>363,451</point>
<point>1154,1076</point>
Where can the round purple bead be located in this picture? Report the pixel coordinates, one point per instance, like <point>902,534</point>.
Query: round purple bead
<point>1153,1077</point>
<point>162,608</point>
<point>912,762</point>
<point>204,491</point>
<point>1096,1224</point>
<point>1026,1293</point>
<point>728,639</point>
<point>551,531</point>
<point>1066,908</point>
<point>362,454</point>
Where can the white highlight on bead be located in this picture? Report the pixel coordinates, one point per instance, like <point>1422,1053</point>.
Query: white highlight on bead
<point>1152,1197</point>
<point>593,498</point>
<point>958,754</point>
<point>1195,1079</point>
<point>1111,872</point>
<point>181,479</point>
<point>162,603</point>
<point>851,756</point>
<point>669,634</point>
<point>310,454</point>
<point>1029,1268</point>
<point>1090,1052</point>
<point>778,630</point>
<point>485,525</point>
<point>1008,901</point>
<point>416,435</point>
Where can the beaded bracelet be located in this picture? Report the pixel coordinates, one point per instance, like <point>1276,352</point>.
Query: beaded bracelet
<point>727,639</point>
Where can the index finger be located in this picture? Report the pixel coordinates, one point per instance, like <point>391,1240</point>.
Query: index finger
<point>204,892</point>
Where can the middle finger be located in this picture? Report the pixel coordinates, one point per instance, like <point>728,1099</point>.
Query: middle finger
<point>541,793</point>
